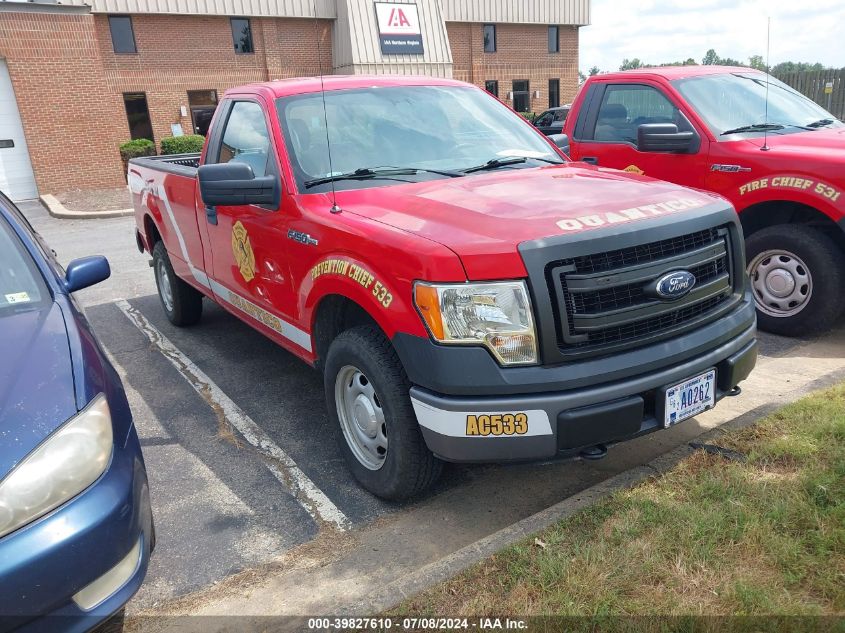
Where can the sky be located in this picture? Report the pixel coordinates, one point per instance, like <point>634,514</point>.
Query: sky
<point>674,30</point>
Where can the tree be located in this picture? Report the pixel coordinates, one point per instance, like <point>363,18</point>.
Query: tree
<point>581,77</point>
<point>594,71</point>
<point>786,67</point>
<point>757,63</point>
<point>631,64</point>
<point>710,58</point>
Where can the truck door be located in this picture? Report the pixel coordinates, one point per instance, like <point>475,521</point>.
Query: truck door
<point>247,242</point>
<point>606,133</point>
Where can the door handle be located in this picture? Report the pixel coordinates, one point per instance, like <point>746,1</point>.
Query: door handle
<point>592,160</point>
<point>211,214</point>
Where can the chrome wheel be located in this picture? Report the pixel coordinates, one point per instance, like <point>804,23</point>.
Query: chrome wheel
<point>165,289</point>
<point>361,417</point>
<point>781,281</point>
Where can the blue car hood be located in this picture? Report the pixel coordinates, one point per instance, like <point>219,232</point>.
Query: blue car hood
<point>36,381</point>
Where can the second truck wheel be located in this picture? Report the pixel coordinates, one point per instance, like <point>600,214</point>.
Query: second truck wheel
<point>796,275</point>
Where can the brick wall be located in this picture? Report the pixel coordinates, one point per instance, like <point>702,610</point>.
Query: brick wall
<point>181,53</point>
<point>522,52</point>
<point>69,82</point>
<point>70,118</point>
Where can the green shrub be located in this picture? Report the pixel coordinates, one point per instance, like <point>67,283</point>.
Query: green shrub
<point>529,115</point>
<point>138,147</point>
<point>188,144</point>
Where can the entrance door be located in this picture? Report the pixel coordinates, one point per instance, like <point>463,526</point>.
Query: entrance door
<point>16,178</point>
<point>203,103</point>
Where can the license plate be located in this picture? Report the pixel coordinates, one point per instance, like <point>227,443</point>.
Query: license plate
<point>690,398</point>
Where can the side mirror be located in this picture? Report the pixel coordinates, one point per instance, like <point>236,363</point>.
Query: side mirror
<point>561,140</point>
<point>665,137</point>
<point>85,272</point>
<point>234,183</point>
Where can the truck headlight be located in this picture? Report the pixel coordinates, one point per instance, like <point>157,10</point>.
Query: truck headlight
<point>496,315</point>
<point>64,465</point>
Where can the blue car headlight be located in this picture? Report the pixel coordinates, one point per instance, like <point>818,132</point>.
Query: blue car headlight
<point>62,466</point>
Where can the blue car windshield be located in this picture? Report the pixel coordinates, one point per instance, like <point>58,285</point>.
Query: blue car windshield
<point>22,287</point>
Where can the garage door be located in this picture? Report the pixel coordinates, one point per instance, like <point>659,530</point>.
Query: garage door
<point>16,178</point>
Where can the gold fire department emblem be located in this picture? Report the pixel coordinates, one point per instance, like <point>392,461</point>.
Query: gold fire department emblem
<point>242,250</point>
<point>633,169</point>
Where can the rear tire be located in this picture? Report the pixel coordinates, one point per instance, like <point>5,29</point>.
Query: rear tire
<point>181,302</point>
<point>368,402</point>
<point>797,274</point>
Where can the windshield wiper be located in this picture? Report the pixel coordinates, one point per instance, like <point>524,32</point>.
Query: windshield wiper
<point>495,163</point>
<point>757,127</point>
<point>364,173</point>
<point>821,123</point>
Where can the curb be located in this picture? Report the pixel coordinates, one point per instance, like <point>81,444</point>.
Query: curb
<point>58,210</point>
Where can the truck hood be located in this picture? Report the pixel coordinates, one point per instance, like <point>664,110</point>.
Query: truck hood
<point>36,382</point>
<point>483,218</point>
<point>821,145</point>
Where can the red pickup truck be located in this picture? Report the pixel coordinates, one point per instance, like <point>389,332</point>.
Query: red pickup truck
<point>467,292</point>
<point>777,156</point>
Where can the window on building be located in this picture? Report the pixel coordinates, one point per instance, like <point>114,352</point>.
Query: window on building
<point>521,96</point>
<point>489,38</point>
<point>554,39</point>
<point>122,35</point>
<point>554,93</point>
<point>492,86</point>
<point>138,115</point>
<point>245,138</point>
<point>202,103</point>
<point>242,36</point>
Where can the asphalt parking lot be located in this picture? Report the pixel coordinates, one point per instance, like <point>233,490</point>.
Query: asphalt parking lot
<point>243,465</point>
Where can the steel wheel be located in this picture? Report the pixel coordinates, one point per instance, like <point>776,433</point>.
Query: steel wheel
<point>361,417</point>
<point>781,281</point>
<point>165,289</point>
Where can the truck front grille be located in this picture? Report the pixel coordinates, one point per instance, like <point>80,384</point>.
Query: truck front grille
<point>601,303</point>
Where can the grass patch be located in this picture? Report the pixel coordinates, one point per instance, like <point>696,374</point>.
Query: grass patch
<point>713,536</point>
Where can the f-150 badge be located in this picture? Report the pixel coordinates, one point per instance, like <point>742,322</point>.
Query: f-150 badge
<point>242,250</point>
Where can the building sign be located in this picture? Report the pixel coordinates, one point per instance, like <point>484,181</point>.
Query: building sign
<point>399,28</point>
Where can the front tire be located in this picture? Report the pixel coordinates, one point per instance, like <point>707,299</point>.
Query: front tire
<point>797,275</point>
<point>378,433</point>
<point>181,302</point>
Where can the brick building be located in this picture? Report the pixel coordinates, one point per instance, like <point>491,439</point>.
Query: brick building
<point>79,77</point>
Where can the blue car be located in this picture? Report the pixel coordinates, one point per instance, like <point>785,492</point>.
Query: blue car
<point>76,528</point>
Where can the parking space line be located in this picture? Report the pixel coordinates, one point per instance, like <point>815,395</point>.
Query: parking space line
<point>314,500</point>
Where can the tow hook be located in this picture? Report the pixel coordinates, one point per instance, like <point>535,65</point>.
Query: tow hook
<point>734,392</point>
<point>594,452</point>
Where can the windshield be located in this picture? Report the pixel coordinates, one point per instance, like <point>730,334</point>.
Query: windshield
<point>437,128</point>
<point>729,101</point>
<point>21,286</point>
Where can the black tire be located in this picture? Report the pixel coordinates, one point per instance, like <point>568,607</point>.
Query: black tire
<point>409,467</point>
<point>824,264</point>
<point>186,301</point>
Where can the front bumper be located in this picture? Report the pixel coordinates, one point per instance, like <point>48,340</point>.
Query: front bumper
<point>567,414</point>
<point>44,564</point>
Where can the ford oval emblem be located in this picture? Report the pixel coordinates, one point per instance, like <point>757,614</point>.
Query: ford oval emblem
<point>674,285</point>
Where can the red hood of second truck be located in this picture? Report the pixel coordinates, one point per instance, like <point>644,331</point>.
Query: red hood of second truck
<point>484,217</point>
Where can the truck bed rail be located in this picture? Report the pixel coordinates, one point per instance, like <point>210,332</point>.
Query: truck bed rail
<point>184,164</point>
